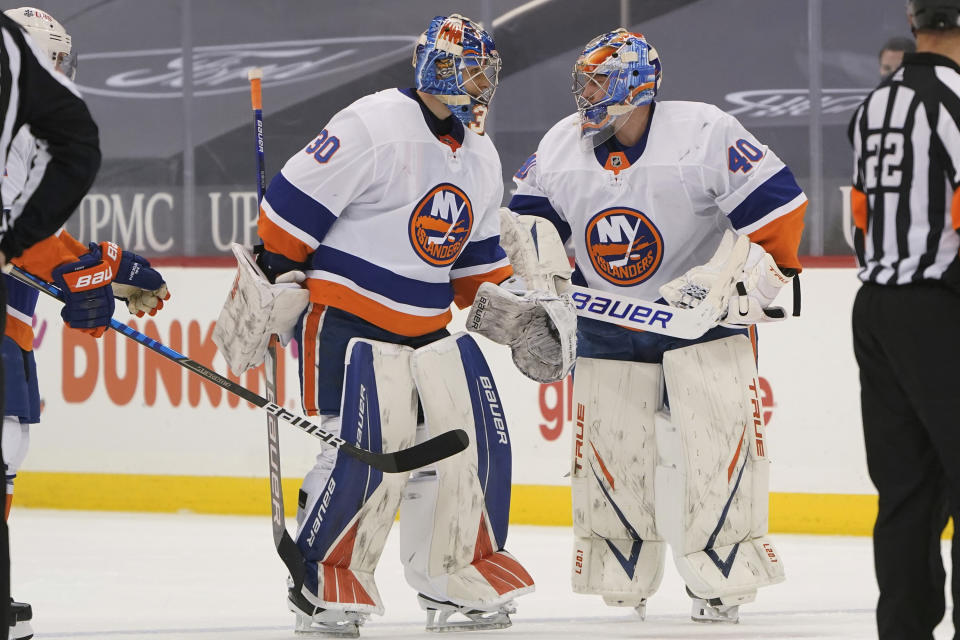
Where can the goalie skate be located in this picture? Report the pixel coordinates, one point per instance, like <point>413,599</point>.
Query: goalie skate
<point>330,623</point>
<point>20,616</point>
<point>438,616</point>
<point>713,610</point>
<point>639,605</point>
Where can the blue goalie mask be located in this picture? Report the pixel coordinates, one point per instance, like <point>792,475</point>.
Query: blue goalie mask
<point>457,61</point>
<point>615,72</point>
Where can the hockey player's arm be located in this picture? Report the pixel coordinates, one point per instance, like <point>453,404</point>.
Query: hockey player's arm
<point>483,259</point>
<point>316,184</point>
<point>67,164</point>
<point>762,200</point>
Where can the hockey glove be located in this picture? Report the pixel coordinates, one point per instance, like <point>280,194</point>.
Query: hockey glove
<point>139,285</point>
<point>758,285</point>
<point>87,298</point>
<point>713,283</point>
<point>540,329</point>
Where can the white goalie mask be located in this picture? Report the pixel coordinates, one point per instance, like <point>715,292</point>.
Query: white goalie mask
<point>50,36</point>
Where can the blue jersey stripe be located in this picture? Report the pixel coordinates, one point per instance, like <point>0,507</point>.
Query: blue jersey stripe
<point>481,252</point>
<point>21,296</point>
<point>430,295</point>
<point>540,206</point>
<point>299,209</point>
<point>777,191</point>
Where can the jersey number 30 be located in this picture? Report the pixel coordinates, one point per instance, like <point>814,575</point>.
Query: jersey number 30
<point>323,148</point>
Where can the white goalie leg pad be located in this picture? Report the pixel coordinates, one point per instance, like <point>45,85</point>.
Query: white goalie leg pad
<point>713,475</point>
<point>349,513</point>
<point>618,552</point>
<point>453,519</point>
<point>535,251</point>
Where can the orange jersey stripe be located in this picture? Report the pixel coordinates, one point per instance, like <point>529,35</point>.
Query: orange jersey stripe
<point>341,297</point>
<point>277,240</point>
<point>858,208</point>
<point>781,238</point>
<point>954,208</point>
<point>308,356</point>
<point>20,332</point>
<point>465,288</point>
<point>45,256</point>
<point>73,245</point>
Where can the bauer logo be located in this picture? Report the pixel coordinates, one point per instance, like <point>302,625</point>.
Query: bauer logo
<point>440,225</point>
<point>624,246</point>
<point>220,69</point>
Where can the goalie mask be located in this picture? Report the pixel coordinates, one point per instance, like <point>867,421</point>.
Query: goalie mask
<point>457,61</point>
<point>50,36</point>
<point>615,72</point>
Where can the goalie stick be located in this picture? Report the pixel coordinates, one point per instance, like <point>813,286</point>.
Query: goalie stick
<point>287,549</point>
<point>402,461</point>
<point>643,315</point>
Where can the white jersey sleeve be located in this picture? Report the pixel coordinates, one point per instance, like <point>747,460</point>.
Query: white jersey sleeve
<point>747,180</point>
<point>531,198</point>
<point>334,170</point>
<point>25,152</point>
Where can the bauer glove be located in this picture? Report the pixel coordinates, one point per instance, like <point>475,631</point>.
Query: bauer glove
<point>139,285</point>
<point>87,298</point>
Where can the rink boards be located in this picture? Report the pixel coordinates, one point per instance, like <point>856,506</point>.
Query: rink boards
<point>122,429</point>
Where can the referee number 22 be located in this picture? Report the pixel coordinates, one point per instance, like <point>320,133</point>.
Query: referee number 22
<point>884,154</point>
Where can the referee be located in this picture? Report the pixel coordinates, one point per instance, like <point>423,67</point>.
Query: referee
<point>906,318</point>
<point>31,93</point>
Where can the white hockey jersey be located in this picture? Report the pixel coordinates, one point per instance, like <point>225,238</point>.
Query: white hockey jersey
<point>25,162</point>
<point>396,221</point>
<point>639,217</point>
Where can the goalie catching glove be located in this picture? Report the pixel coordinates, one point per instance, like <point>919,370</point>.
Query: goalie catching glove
<point>738,283</point>
<point>256,310</point>
<point>540,329</point>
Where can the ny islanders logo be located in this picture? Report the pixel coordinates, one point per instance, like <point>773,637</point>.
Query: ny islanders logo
<point>440,225</point>
<point>624,246</point>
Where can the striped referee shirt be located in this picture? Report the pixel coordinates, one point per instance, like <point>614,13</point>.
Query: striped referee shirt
<point>905,198</point>
<point>32,93</point>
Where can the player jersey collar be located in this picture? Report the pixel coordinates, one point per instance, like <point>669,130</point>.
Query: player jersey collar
<point>616,157</point>
<point>449,131</point>
<point>930,59</point>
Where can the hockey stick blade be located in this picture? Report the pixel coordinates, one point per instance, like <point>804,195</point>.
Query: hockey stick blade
<point>430,451</point>
<point>426,453</point>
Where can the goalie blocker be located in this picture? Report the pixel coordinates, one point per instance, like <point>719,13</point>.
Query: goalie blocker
<point>693,476</point>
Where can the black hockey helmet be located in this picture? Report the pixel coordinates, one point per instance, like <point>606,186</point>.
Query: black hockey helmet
<point>934,14</point>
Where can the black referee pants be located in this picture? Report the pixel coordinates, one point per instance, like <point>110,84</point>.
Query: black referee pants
<point>907,343</point>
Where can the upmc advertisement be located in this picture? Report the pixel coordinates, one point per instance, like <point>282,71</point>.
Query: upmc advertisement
<point>749,57</point>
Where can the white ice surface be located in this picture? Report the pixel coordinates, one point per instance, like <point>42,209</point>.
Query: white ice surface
<point>120,576</point>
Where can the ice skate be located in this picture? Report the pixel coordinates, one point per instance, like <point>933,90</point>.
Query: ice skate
<point>639,604</point>
<point>438,616</point>
<point>713,610</point>
<point>20,616</point>
<point>315,621</point>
